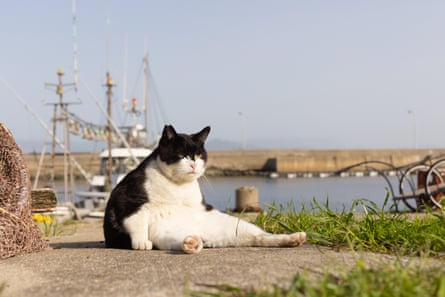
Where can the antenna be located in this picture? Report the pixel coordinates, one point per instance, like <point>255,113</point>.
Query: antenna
<point>75,66</point>
<point>107,45</point>
<point>146,73</point>
<point>124,81</point>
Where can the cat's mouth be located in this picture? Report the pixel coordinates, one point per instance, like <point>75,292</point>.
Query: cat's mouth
<point>194,172</point>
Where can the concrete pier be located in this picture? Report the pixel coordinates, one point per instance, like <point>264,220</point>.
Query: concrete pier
<point>302,161</point>
<point>264,161</point>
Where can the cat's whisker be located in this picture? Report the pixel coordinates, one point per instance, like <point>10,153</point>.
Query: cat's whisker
<point>209,183</point>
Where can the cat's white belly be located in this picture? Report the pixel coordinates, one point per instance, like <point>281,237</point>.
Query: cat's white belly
<point>169,226</point>
<point>178,227</point>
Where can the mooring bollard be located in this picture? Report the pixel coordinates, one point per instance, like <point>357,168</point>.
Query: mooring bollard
<point>247,199</point>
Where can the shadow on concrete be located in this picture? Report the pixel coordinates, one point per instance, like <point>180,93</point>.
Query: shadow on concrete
<point>97,245</point>
<point>78,245</point>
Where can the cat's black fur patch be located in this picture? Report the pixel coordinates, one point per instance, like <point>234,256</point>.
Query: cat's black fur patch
<point>173,146</point>
<point>129,195</point>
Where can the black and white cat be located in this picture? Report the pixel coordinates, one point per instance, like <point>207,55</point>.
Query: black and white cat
<point>159,204</point>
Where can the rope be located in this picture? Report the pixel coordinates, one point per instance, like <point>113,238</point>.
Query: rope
<point>14,216</point>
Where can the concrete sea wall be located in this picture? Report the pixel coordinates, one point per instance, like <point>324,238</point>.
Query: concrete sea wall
<point>264,161</point>
<point>301,161</point>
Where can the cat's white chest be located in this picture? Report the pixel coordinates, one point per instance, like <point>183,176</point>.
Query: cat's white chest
<point>162,191</point>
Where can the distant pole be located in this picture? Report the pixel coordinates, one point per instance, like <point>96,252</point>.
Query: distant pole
<point>109,85</point>
<point>243,123</point>
<point>53,148</point>
<point>61,114</point>
<point>145,107</point>
<point>411,112</point>
<point>75,66</point>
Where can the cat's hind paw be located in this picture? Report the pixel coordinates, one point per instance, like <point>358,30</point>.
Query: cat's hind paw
<point>142,245</point>
<point>298,238</point>
<point>192,244</point>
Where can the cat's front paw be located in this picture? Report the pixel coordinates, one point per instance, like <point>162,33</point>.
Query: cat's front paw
<point>192,244</point>
<point>142,245</point>
<point>298,238</point>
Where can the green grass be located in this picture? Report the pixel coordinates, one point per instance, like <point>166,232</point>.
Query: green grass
<point>373,230</point>
<point>390,281</point>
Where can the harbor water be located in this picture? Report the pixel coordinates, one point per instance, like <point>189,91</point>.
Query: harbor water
<point>339,191</point>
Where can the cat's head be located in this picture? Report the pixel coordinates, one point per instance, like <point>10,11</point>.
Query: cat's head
<point>182,157</point>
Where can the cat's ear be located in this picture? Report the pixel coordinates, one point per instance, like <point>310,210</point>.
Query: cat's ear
<point>202,135</point>
<point>168,133</point>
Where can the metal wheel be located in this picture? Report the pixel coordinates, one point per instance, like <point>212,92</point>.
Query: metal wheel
<point>434,184</point>
<point>409,183</point>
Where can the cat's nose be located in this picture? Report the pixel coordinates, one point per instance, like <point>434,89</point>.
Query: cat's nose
<point>193,165</point>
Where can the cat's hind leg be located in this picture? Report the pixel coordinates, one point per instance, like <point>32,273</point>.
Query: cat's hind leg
<point>192,244</point>
<point>280,240</point>
<point>176,233</point>
<point>223,230</point>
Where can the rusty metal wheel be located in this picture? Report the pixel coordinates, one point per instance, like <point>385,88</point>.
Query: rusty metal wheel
<point>434,185</point>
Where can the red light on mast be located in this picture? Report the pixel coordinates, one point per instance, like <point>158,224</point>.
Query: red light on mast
<point>135,102</point>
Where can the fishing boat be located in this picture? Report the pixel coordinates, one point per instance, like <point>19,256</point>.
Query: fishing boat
<point>123,160</point>
<point>95,198</point>
<point>127,147</point>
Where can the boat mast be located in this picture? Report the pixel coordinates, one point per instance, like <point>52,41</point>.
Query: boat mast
<point>145,95</point>
<point>61,114</point>
<point>109,85</point>
<point>75,66</point>
<point>124,80</point>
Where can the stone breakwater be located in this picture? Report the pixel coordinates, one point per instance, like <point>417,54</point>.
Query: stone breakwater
<point>257,162</point>
<point>310,161</point>
<point>89,162</point>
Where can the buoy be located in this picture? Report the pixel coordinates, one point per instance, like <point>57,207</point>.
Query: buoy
<point>247,199</point>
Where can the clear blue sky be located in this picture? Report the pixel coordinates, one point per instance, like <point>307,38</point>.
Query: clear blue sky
<point>304,74</point>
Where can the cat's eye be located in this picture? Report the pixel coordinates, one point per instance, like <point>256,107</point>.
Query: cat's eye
<point>181,156</point>
<point>198,156</point>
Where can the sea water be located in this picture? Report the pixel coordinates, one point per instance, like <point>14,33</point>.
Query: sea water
<point>339,192</point>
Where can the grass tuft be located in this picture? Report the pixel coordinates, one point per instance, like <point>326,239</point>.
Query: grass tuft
<point>374,229</point>
<point>391,280</point>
